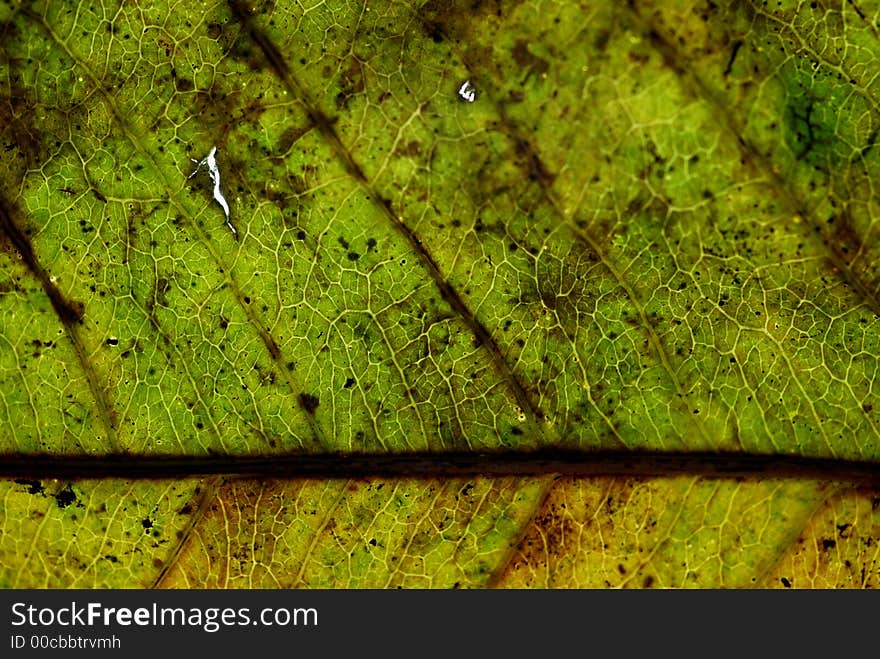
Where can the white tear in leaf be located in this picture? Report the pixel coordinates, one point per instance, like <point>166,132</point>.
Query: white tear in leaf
<point>214,171</point>
<point>467,91</point>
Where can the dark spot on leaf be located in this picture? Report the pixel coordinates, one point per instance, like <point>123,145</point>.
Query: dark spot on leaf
<point>65,497</point>
<point>461,20</point>
<point>812,112</point>
<point>243,49</point>
<point>34,487</point>
<point>351,83</point>
<point>434,31</point>
<point>411,149</point>
<point>531,163</point>
<point>308,402</point>
<point>524,58</point>
<point>183,84</point>
<point>288,138</point>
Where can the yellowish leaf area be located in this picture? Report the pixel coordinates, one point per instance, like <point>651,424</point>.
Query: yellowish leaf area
<point>651,230</point>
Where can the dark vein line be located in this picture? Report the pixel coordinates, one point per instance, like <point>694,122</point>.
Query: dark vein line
<point>259,327</point>
<point>325,125</point>
<point>328,517</point>
<point>440,464</point>
<point>535,170</point>
<point>69,313</point>
<point>859,12</point>
<point>830,493</point>
<point>698,88</point>
<point>203,501</point>
<point>672,58</point>
<point>496,578</point>
<point>733,53</point>
<point>587,241</point>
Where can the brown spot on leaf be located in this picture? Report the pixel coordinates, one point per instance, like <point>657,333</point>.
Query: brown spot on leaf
<point>524,58</point>
<point>412,149</point>
<point>470,24</point>
<point>530,161</point>
<point>351,83</point>
<point>308,402</point>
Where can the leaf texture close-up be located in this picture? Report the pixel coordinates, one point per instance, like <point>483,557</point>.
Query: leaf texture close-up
<point>440,294</point>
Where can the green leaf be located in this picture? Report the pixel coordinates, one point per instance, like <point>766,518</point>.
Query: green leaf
<point>649,241</point>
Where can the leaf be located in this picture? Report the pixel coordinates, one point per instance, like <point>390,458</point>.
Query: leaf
<point>647,241</point>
